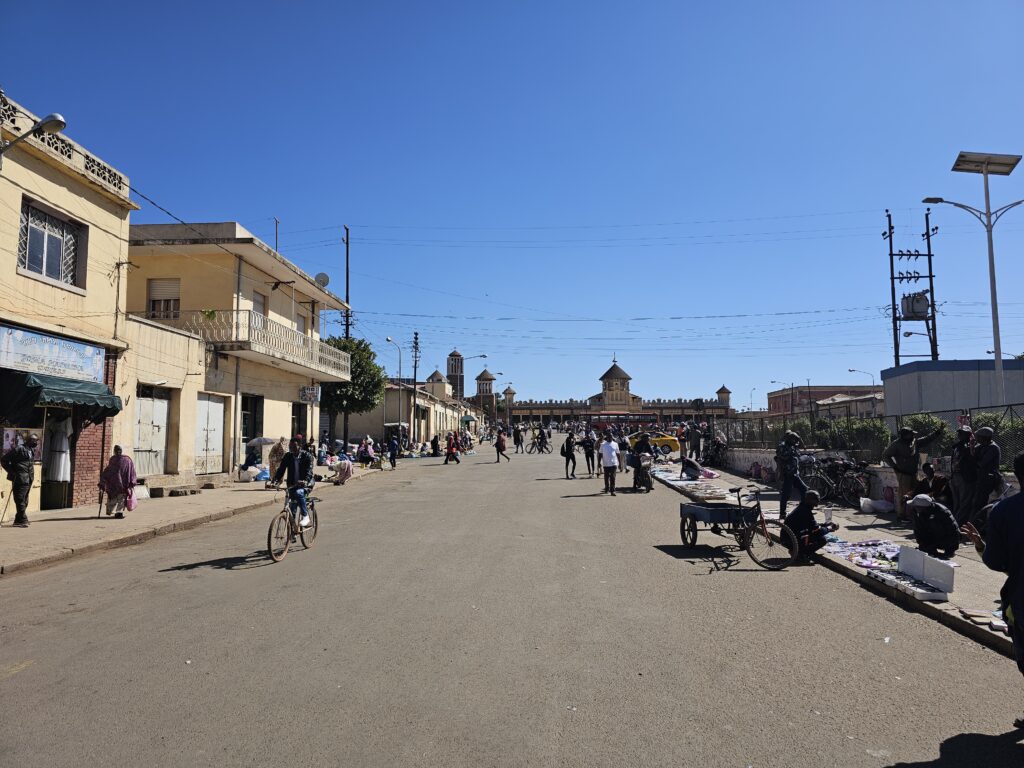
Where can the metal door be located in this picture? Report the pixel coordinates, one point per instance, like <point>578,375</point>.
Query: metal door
<point>209,434</point>
<point>151,408</point>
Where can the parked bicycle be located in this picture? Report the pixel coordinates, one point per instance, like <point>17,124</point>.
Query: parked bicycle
<point>836,478</point>
<point>536,446</point>
<point>285,528</point>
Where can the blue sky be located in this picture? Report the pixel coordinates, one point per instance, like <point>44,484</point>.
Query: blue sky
<point>530,179</point>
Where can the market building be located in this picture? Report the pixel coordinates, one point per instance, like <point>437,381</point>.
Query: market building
<point>261,361</point>
<point>616,403</point>
<point>63,222</point>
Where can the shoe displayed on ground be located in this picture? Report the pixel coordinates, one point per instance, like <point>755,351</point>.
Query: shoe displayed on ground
<point>305,521</point>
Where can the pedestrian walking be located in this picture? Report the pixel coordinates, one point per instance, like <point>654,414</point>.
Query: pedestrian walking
<point>623,451</point>
<point>587,441</point>
<point>118,481</point>
<point>1003,550</point>
<point>787,459</point>
<point>963,474</point>
<point>904,456</point>
<point>20,467</point>
<point>569,453</point>
<point>517,439</point>
<point>393,452</point>
<point>452,449</point>
<point>609,462</point>
<point>499,447</point>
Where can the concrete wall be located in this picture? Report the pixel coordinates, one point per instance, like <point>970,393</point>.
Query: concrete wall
<point>158,354</point>
<point>944,385</point>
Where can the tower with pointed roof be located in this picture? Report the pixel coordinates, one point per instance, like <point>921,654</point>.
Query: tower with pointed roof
<point>615,393</point>
<point>455,374</point>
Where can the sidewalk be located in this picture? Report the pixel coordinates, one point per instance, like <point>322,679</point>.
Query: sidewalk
<point>58,534</point>
<point>975,587</point>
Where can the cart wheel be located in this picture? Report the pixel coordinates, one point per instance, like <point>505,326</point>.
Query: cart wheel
<point>773,551</point>
<point>688,531</point>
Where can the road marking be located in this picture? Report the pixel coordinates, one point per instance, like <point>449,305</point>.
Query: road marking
<point>15,669</point>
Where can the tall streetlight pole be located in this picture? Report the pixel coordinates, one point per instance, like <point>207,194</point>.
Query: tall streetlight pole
<point>750,407</point>
<point>401,393</point>
<point>986,165</point>
<point>348,335</point>
<point>866,373</point>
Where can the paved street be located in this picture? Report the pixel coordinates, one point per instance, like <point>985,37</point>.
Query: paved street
<point>481,615</point>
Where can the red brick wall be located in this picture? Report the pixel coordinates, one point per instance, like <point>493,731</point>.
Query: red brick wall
<point>90,447</point>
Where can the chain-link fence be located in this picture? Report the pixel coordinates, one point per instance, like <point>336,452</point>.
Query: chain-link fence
<point>865,437</point>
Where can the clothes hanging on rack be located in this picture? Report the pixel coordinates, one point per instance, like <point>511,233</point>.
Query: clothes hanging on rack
<point>58,467</point>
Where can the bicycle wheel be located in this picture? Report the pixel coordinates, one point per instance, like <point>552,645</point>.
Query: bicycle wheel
<point>308,534</point>
<point>772,544</point>
<point>853,489</point>
<point>820,484</point>
<point>547,448</point>
<point>278,536</point>
<point>688,530</point>
<point>531,448</point>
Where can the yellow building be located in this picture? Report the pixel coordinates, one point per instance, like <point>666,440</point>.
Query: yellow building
<point>260,318</point>
<point>63,246</point>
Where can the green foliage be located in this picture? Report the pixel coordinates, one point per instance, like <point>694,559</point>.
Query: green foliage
<point>366,389</point>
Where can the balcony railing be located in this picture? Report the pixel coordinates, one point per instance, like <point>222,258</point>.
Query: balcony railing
<point>251,331</point>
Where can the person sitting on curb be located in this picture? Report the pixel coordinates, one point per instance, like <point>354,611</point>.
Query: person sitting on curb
<point>809,533</point>
<point>1004,552</point>
<point>935,527</point>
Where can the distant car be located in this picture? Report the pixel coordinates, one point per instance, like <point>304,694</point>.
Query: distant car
<point>662,441</point>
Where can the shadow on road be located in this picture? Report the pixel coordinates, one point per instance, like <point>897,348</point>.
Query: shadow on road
<point>583,495</point>
<point>64,519</point>
<point>979,749</point>
<point>256,559</point>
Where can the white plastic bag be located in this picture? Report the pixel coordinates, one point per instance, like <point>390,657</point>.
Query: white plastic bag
<point>866,506</point>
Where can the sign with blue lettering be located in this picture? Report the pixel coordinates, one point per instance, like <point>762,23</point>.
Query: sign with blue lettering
<point>23,350</point>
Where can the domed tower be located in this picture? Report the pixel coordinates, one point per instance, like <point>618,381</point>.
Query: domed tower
<point>455,374</point>
<point>615,388</point>
<point>723,395</point>
<point>484,382</point>
<point>438,385</point>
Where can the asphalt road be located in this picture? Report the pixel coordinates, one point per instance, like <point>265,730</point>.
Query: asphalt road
<point>481,615</point>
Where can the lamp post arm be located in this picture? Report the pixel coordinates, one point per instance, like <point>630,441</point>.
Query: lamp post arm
<point>996,214</point>
<point>979,215</point>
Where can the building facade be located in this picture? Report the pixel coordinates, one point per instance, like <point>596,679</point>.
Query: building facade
<point>799,399</point>
<point>616,402</point>
<point>258,317</point>
<point>63,252</point>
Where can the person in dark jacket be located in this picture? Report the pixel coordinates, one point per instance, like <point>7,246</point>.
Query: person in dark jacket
<point>904,457</point>
<point>18,463</point>
<point>987,458</point>
<point>569,454</point>
<point>809,533</point>
<point>297,468</point>
<point>935,528</point>
<point>963,474</point>
<point>500,446</point>
<point>787,459</point>
<point>588,443</point>
<point>435,446</point>
<point>393,452</point>
<point>1004,552</point>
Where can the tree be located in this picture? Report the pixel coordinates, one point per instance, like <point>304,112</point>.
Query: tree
<point>366,389</point>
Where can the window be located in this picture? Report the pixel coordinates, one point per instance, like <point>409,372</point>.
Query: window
<point>49,246</point>
<point>164,298</point>
<point>300,324</point>
<point>259,303</point>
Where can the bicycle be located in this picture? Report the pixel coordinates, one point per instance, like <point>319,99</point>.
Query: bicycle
<point>284,527</point>
<point>770,543</point>
<point>537,447</point>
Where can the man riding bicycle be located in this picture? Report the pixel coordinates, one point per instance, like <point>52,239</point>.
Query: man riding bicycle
<point>298,465</point>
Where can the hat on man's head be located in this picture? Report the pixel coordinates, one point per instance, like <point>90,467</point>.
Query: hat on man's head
<point>921,500</point>
<point>907,431</point>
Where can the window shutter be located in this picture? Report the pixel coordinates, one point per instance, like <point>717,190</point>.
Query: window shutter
<point>164,288</point>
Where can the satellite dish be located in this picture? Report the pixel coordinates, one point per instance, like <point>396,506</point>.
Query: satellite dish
<point>322,279</point>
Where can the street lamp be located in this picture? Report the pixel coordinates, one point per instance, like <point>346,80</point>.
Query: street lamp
<point>52,123</point>
<point>908,334</point>
<point>866,373</point>
<point>1005,354</point>
<point>751,405</point>
<point>400,392</point>
<point>986,164</point>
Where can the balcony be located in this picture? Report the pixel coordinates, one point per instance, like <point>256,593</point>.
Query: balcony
<point>256,337</point>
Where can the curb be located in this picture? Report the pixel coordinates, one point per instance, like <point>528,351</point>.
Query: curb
<point>996,642</point>
<point>138,537</point>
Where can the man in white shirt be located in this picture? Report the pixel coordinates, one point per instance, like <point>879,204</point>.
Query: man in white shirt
<point>609,461</point>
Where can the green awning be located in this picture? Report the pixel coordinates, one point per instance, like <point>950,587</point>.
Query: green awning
<point>24,391</point>
<point>467,418</point>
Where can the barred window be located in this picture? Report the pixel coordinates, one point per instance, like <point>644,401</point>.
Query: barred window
<point>48,246</point>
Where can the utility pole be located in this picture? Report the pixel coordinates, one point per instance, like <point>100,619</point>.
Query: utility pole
<point>414,420</point>
<point>277,221</point>
<point>348,331</point>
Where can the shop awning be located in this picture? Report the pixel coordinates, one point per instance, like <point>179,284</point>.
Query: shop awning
<point>24,391</point>
<point>467,418</point>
